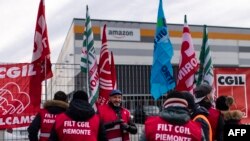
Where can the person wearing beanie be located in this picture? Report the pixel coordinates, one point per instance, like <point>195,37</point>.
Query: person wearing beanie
<point>199,114</point>
<point>175,114</point>
<point>79,122</point>
<point>203,97</point>
<point>117,119</point>
<point>223,103</point>
<point>51,108</point>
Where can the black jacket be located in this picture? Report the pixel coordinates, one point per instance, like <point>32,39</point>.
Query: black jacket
<point>220,122</point>
<point>53,107</point>
<point>199,110</point>
<point>80,110</point>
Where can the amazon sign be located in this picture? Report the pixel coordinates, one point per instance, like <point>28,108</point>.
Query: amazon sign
<point>123,34</point>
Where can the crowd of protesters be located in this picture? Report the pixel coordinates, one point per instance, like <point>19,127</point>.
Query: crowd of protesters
<point>193,117</point>
<point>184,116</point>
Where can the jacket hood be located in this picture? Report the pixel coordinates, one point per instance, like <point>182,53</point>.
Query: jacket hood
<point>55,103</point>
<point>232,115</point>
<point>175,115</point>
<point>80,110</point>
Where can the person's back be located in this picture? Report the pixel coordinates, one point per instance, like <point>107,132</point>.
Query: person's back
<point>173,123</point>
<point>45,119</point>
<point>203,97</point>
<point>79,122</point>
<point>199,114</point>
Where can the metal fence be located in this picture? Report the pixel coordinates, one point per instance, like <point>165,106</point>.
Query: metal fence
<point>133,81</point>
<point>140,107</point>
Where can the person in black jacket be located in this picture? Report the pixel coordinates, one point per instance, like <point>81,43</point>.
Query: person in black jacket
<point>199,114</point>
<point>79,112</point>
<point>51,108</point>
<point>204,97</point>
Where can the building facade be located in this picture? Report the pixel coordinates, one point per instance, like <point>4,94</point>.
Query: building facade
<point>132,46</point>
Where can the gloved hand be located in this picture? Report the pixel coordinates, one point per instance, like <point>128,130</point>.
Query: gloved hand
<point>124,127</point>
<point>119,121</point>
<point>113,123</point>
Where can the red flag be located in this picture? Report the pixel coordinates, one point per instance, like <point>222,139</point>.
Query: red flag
<point>41,51</point>
<point>113,72</point>
<point>20,94</point>
<point>104,71</point>
<point>188,62</point>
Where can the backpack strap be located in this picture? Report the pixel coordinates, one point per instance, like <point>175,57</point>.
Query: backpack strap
<point>208,123</point>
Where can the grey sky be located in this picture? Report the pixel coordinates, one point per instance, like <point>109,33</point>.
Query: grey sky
<point>18,19</point>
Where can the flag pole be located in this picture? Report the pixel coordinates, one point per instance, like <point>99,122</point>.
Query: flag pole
<point>45,74</point>
<point>89,63</point>
<point>87,73</point>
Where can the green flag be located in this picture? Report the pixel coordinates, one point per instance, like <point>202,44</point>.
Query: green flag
<point>89,62</point>
<point>205,72</point>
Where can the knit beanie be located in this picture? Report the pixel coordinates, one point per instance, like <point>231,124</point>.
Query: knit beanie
<point>201,91</point>
<point>190,99</point>
<point>82,95</point>
<point>60,95</point>
<point>176,99</point>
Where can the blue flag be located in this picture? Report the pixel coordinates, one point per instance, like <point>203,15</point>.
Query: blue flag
<point>162,72</point>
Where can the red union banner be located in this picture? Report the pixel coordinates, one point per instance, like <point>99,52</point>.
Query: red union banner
<point>20,94</point>
<point>235,82</point>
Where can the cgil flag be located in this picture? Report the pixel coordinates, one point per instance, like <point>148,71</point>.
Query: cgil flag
<point>88,62</point>
<point>41,51</point>
<point>188,65</point>
<point>113,72</point>
<point>104,71</point>
<point>205,72</point>
<point>162,72</point>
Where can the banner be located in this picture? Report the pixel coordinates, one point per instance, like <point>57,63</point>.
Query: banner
<point>105,75</point>
<point>161,79</point>
<point>235,82</point>
<point>41,51</point>
<point>205,72</point>
<point>188,65</point>
<point>20,94</point>
<point>89,62</point>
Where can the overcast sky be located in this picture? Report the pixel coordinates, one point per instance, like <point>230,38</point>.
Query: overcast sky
<point>18,19</point>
